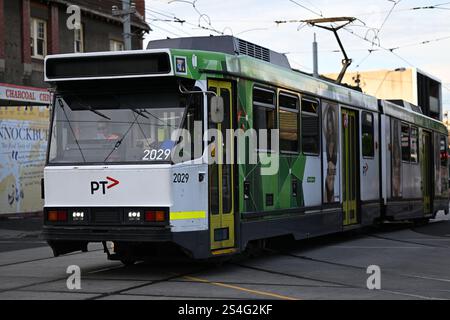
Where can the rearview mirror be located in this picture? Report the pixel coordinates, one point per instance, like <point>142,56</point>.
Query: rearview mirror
<point>217,109</point>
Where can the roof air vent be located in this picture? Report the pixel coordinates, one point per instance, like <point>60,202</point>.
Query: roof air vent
<point>253,50</point>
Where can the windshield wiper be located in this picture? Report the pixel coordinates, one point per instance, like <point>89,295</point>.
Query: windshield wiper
<point>95,111</point>
<point>71,129</point>
<point>119,142</point>
<point>139,113</point>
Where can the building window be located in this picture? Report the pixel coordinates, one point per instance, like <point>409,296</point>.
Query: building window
<point>289,122</point>
<point>414,145</point>
<point>367,137</point>
<point>38,37</point>
<point>264,113</point>
<point>310,126</point>
<point>78,42</point>
<point>406,150</point>
<point>115,45</point>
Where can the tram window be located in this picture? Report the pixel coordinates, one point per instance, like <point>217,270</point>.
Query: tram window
<point>367,137</point>
<point>406,150</point>
<point>264,97</point>
<point>289,123</point>
<point>444,152</point>
<point>264,112</point>
<point>310,127</point>
<point>414,145</point>
<point>193,117</point>
<point>288,101</point>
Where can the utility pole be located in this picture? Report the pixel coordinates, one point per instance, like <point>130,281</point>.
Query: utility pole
<point>315,59</point>
<point>128,8</point>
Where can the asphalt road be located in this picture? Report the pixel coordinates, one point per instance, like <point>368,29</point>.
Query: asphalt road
<point>414,264</point>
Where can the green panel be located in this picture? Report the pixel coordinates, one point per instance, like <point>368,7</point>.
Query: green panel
<point>279,185</point>
<point>298,167</point>
<point>285,184</point>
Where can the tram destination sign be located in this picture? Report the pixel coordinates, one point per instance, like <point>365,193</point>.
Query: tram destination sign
<point>107,65</point>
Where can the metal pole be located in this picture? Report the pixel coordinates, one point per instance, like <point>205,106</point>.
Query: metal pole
<point>126,24</point>
<point>315,59</point>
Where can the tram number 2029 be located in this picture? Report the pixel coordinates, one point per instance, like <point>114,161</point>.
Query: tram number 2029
<point>180,177</point>
<point>160,154</point>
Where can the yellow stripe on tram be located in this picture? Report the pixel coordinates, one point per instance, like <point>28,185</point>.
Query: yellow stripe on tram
<point>186,215</point>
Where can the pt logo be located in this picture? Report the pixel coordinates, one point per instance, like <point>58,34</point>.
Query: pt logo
<point>103,185</point>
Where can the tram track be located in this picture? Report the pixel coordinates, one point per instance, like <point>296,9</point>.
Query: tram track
<point>147,283</point>
<point>44,258</point>
<point>358,267</point>
<point>341,285</point>
<point>191,277</point>
<point>406,241</point>
<point>41,282</point>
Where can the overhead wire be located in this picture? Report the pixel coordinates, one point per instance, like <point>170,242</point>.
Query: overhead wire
<point>155,19</point>
<point>306,8</point>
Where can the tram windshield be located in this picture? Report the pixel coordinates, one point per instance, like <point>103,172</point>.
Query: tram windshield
<point>118,128</point>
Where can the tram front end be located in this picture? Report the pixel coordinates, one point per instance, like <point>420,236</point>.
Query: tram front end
<point>111,173</point>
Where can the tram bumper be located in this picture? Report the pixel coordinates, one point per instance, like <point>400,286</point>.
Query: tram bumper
<point>67,239</point>
<point>97,234</point>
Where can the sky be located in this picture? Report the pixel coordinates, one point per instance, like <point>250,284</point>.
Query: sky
<point>382,25</point>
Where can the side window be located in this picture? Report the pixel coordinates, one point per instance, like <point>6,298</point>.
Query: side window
<point>289,122</point>
<point>193,117</point>
<point>368,148</point>
<point>414,145</point>
<point>406,152</point>
<point>264,112</point>
<point>310,126</point>
<point>444,153</point>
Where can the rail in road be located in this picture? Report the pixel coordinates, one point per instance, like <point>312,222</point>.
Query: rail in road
<point>413,260</point>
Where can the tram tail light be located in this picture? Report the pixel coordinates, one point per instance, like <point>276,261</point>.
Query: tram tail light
<point>57,215</point>
<point>155,216</point>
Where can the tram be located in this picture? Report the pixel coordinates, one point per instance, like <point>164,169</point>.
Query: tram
<point>340,159</point>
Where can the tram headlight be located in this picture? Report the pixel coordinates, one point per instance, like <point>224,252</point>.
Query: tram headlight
<point>78,215</point>
<point>134,215</point>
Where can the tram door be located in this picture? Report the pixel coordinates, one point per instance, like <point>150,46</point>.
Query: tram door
<point>349,166</point>
<point>221,175</point>
<point>427,165</point>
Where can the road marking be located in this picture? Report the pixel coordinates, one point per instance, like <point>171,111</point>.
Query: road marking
<point>24,242</point>
<point>414,239</point>
<point>371,247</point>
<point>428,278</point>
<point>107,269</point>
<point>427,239</point>
<point>412,295</point>
<point>219,284</point>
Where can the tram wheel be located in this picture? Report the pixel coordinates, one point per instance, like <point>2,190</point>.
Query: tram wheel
<point>421,222</point>
<point>128,261</point>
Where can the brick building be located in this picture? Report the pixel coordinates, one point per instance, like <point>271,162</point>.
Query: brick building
<point>30,30</point>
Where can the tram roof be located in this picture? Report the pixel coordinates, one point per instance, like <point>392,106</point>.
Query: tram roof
<point>200,63</point>
<point>396,111</point>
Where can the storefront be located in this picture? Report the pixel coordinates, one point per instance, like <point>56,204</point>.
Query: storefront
<point>24,123</point>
